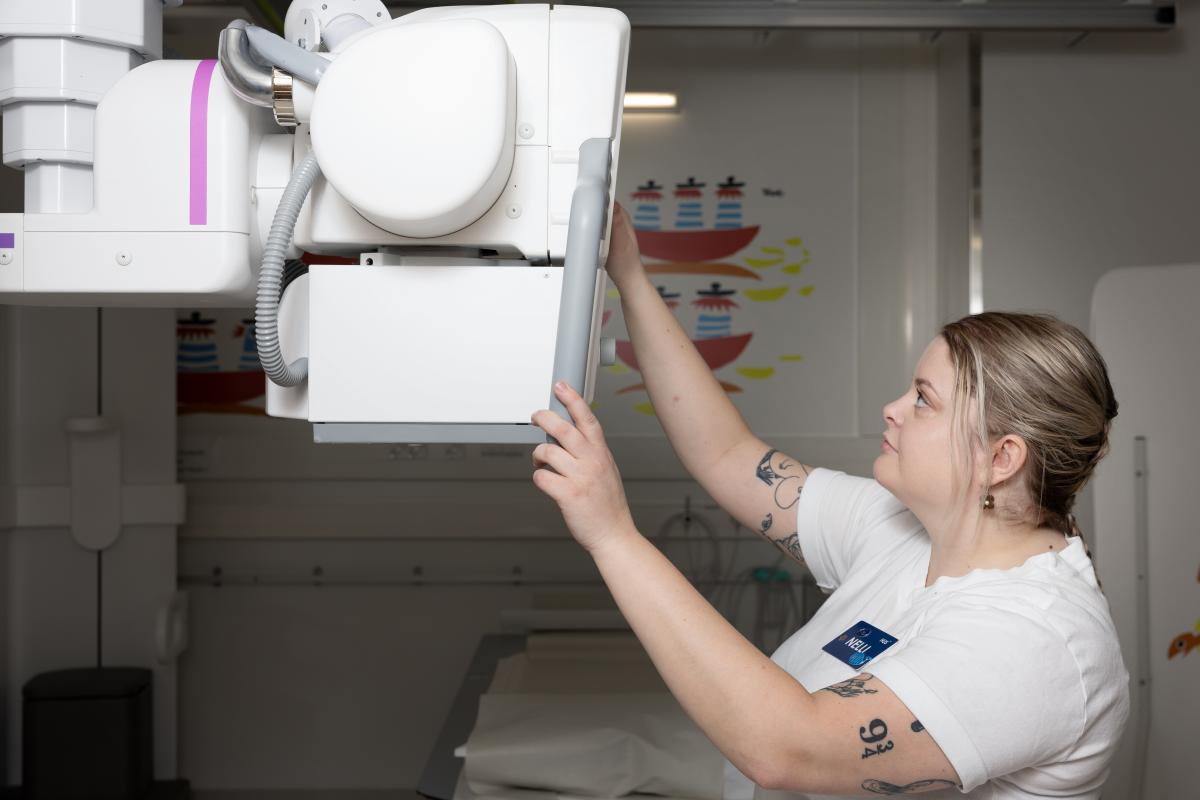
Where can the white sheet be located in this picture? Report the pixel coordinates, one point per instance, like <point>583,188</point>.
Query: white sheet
<point>590,745</point>
<point>585,716</point>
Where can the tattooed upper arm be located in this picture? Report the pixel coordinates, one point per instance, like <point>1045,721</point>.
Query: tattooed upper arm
<point>760,487</point>
<point>784,477</point>
<point>864,739</point>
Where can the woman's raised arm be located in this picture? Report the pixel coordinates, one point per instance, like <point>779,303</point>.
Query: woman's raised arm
<point>756,484</point>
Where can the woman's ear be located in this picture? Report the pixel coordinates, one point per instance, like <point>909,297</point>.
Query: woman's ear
<point>1008,456</point>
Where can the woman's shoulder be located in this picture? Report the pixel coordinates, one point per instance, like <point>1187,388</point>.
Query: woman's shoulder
<point>1052,615</point>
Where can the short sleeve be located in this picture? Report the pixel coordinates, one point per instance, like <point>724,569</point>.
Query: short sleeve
<point>996,688</point>
<point>843,519</point>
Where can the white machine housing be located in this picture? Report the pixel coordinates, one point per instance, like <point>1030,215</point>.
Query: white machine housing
<point>171,221</point>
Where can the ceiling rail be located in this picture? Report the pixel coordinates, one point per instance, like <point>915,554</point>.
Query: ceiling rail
<point>917,15</point>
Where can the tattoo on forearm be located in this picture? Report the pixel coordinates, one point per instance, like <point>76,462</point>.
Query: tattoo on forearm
<point>790,545</point>
<point>854,687</point>
<point>876,786</point>
<point>874,733</point>
<point>916,726</point>
<point>767,522</point>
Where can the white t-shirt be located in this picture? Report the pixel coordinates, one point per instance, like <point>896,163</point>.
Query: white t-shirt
<point>1016,673</point>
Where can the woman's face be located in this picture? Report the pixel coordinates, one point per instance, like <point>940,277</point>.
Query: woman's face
<point>915,463</point>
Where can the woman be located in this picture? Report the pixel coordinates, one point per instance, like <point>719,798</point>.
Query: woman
<point>967,646</point>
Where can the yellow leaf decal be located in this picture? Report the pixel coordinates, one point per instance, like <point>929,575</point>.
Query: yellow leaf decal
<point>612,292</point>
<point>617,369</point>
<point>766,295</point>
<point>793,269</point>
<point>807,290</point>
<point>763,263</point>
<point>792,357</point>
<point>645,408</point>
<point>795,241</point>
<point>758,373</point>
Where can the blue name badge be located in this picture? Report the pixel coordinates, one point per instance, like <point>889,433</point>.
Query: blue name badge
<point>859,644</point>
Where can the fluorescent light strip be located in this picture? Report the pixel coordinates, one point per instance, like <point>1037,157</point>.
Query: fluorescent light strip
<point>651,101</point>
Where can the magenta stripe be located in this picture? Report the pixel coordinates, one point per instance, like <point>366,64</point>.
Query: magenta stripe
<point>198,177</point>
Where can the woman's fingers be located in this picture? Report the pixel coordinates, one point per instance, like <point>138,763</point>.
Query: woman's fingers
<point>553,456</point>
<point>580,412</point>
<point>566,434</point>
<point>549,482</point>
<point>621,216</point>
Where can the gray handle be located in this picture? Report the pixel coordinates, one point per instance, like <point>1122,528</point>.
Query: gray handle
<point>589,207</point>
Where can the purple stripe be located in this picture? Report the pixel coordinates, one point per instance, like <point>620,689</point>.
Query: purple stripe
<point>8,241</point>
<point>198,177</point>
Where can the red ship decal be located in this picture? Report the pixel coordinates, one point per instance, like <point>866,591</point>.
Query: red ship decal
<point>715,352</point>
<point>697,245</point>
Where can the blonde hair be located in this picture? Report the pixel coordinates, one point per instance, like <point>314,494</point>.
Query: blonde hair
<point>1037,377</point>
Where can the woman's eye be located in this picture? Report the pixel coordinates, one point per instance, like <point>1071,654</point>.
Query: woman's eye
<point>921,401</point>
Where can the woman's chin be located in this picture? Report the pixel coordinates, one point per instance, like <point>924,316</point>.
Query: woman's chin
<point>884,472</point>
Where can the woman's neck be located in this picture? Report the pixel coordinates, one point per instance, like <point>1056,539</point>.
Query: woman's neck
<point>983,542</point>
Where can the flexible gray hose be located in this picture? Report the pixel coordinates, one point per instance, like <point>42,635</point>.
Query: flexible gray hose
<point>270,277</point>
<point>277,51</point>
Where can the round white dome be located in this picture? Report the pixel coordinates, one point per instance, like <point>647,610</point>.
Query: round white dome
<point>413,124</point>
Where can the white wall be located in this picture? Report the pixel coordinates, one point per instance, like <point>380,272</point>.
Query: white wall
<point>1089,162</point>
<point>51,371</point>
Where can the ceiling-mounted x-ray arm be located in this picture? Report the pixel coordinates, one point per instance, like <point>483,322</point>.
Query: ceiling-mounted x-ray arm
<point>460,168</point>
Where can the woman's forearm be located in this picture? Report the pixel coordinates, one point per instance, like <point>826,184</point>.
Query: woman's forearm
<point>746,704</point>
<point>699,419</point>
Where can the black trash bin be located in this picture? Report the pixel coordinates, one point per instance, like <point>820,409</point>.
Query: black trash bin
<point>87,735</point>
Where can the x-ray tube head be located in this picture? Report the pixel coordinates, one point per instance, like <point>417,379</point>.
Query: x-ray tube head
<point>419,157</point>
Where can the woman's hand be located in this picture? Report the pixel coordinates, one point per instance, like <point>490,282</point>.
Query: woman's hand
<point>579,473</point>
<point>624,263</point>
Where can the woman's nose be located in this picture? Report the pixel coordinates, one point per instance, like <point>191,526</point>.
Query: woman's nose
<point>890,412</point>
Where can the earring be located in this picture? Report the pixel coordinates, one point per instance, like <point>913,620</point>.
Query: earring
<point>989,502</point>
